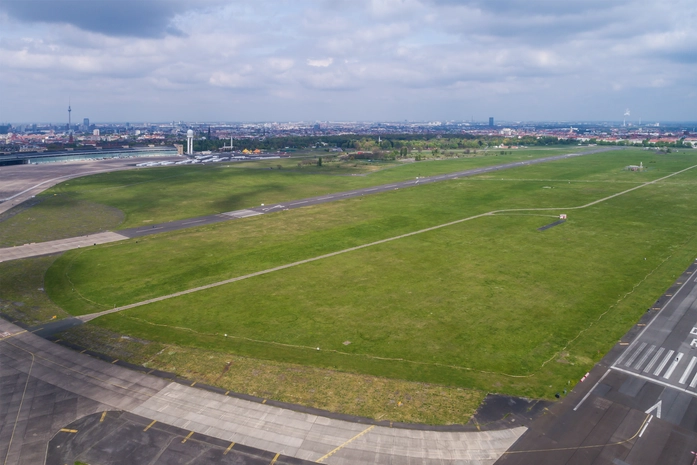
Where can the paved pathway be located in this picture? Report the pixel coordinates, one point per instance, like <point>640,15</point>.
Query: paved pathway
<point>92,316</point>
<point>45,387</point>
<point>59,246</point>
<point>45,248</point>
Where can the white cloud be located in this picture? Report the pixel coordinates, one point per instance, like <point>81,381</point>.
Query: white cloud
<point>448,59</point>
<point>321,63</point>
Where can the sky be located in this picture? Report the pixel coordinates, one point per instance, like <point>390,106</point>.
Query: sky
<point>348,60</point>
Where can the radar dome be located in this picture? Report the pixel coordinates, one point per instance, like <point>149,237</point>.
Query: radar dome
<point>189,133</point>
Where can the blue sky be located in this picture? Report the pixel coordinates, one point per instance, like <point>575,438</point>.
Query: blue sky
<point>347,60</point>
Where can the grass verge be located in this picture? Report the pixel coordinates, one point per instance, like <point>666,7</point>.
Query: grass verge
<point>491,304</point>
<point>348,393</point>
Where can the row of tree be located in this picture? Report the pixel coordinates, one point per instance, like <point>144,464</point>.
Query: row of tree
<point>401,143</point>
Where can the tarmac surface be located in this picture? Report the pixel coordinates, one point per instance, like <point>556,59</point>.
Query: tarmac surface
<point>300,203</point>
<point>46,388</point>
<point>638,406</point>
<point>21,182</point>
<point>120,437</point>
<point>37,249</point>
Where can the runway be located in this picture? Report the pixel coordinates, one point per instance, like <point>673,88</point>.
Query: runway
<point>638,406</point>
<point>33,250</point>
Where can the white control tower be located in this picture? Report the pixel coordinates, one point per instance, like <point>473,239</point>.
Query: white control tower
<point>189,142</point>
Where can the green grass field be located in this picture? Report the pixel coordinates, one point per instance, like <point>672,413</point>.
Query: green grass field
<point>152,195</point>
<point>491,304</point>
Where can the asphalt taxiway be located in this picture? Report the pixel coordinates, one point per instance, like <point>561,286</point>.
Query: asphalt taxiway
<point>638,406</point>
<point>21,182</point>
<point>46,387</point>
<point>45,248</point>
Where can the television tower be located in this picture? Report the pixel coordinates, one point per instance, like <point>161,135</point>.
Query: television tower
<point>70,131</point>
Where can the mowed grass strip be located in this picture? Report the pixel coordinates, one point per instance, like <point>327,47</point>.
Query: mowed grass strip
<point>124,273</point>
<point>22,295</point>
<point>349,393</point>
<point>490,304</point>
<point>155,195</point>
<point>47,220</point>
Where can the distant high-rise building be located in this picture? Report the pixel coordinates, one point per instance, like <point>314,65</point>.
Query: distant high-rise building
<point>86,122</point>
<point>491,121</point>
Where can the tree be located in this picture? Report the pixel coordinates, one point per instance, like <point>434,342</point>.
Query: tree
<point>319,161</point>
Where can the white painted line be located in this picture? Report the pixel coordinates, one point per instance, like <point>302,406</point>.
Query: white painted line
<point>192,222</point>
<point>663,362</point>
<point>653,360</point>
<point>644,357</point>
<point>636,340</point>
<point>655,381</point>
<point>635,354</point>
<point>657,408</point>
<point>591,390</point>
<point>693,383</point>
<point>688,370</point>
<point>646,425</point>
<point>298,203</point>
<point>373,189</point>
<point>672,366</point>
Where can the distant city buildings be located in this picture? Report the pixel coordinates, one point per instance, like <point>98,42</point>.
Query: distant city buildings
<point>36,137</point>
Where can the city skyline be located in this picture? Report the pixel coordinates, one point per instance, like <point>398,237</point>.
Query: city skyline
<point>314,60</point>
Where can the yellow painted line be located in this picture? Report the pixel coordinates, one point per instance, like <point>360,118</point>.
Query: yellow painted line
<point>345,444</point>
<point>275,458</point>
<point>227,392</point>
<point>148,427</point>
<point>103,415</point>
<point>193,384</point>
<point>228,448</point>
<point>115,361</point>
<point>83,351</point>
<point>264,401</point>
<point>66,430</point>
<point>187,437</point>
<point>57,341</point>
